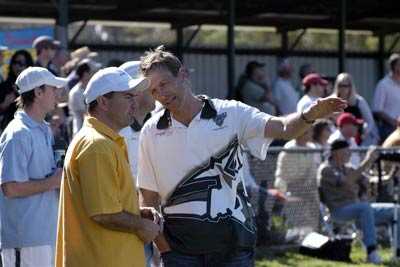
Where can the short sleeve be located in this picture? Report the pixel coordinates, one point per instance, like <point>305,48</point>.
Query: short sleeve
<point>251,129</point>
<point>146,173</point>
<point>15,154</point>
<point>99,182</point>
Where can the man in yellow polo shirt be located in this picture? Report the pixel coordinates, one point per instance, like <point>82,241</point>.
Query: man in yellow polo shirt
<point>99,217</point>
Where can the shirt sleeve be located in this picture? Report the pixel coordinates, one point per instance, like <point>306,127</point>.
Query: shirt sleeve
<point>15,154</point>
<point>251,129</point>
<point>99,182</point>
<point>146,173</point>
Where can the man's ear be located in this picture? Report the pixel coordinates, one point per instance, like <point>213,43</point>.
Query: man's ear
<point>183,73</point>
<point>102,103</point>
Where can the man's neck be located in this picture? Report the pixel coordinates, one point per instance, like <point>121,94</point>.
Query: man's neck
<point>140,116</point>
<point>189,109</point>
<point>107,121</point>
<point>35,113</point>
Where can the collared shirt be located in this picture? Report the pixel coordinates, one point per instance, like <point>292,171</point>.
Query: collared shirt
<point>387,97</point>
<point>96,180</point>
<point>26,154</point>
<point>197,171</point>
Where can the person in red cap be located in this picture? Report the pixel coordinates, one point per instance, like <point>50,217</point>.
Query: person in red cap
<point>347,130</point>
<point>313,86</point>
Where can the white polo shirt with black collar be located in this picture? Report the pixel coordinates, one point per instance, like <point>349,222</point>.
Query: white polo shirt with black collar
<point>197,171</point>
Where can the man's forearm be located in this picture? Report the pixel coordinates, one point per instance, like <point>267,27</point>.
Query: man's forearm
<point>29,188</point>
<point>288,127</point>
<point>122,221</point>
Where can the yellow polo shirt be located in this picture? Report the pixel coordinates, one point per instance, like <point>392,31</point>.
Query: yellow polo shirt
<point>96,180</point>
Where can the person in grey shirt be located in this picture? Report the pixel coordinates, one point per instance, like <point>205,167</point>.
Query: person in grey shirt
<point>29,177</point>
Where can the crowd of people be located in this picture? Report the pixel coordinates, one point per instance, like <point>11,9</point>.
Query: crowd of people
<point>148,162</point>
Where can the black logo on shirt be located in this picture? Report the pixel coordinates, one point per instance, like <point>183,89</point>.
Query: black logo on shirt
<point>219,119</point>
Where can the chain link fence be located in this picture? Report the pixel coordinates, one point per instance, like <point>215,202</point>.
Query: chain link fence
<point>294,172</point>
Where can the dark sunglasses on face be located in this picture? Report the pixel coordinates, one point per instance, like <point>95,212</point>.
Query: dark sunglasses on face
<point>344,85</point>
<point>20,63</point>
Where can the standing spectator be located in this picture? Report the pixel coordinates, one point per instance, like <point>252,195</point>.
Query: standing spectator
<point>3,49</point>
<point>19,61</point>
<point>314,88</point>
<point>100,222</point>
<point>347,130</point>
<point>304,70</point>
<point>45,47</point>
<point>254,89</point>
<point>387,98</point>
<point>190,158</point>
<point>28,175</point>
<point>286,96</point>
<point>345,89</point>
<point>76,101</point>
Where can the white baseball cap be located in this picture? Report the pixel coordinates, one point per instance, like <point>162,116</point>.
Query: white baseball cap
<point>132,68</point>
<point>33,77</point>
<point>112,79</point>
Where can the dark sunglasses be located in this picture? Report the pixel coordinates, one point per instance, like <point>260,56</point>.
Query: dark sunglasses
<point>344,85</point>
<point>20,63</point>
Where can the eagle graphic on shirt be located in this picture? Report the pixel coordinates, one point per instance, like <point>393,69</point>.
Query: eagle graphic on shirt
<point>213,191</point>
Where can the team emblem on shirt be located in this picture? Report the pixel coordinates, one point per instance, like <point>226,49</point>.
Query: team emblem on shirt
<point>219,119</point>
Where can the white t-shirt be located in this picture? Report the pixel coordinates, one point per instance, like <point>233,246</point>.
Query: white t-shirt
<point>305,102</point>
<point>286,96</point>
<point>77,106</point>
<point>387,97</point>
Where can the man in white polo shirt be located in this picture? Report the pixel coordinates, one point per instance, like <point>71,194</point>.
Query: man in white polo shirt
<point>29,177</point>
<point>190,162</point>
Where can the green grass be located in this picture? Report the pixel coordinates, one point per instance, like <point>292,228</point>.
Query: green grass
<point>294,259</point>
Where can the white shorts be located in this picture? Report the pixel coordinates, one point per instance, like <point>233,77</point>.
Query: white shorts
<point>40,256</point>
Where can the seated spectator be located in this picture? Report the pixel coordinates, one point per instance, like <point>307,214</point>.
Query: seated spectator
<point>76,101</point>
<point>387,98</point>
<point>345,89</point>
<point>296,174</point>
<point>19,61</point>
<point>286,97</point>
<point>340,188</point>
<point>313,87</point>
<point>253,88</point>
<point>347,130</point>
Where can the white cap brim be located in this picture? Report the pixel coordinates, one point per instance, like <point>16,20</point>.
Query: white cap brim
<point>139,84</point>
<point>57,82</point>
